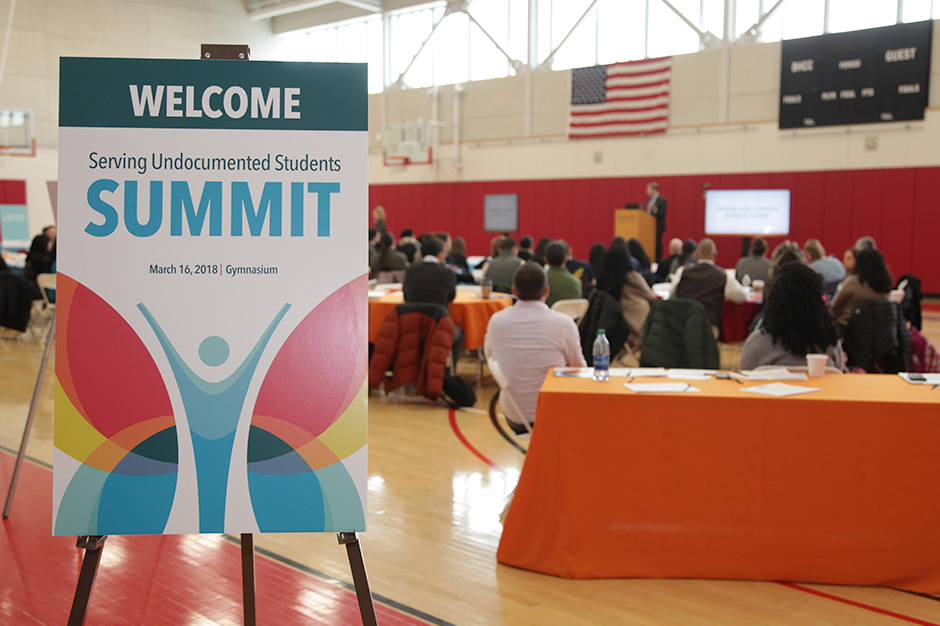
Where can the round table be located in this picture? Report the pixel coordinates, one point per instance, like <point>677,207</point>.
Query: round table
<point>471,312</point>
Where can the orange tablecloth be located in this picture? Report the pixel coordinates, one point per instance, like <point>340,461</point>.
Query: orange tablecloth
<point>470,312</point>
<point>839,486</point>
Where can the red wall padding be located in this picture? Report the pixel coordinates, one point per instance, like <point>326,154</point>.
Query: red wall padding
<point>898,207</point>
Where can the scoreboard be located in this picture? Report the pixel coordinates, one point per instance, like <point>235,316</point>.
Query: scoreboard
<point>859,77</point>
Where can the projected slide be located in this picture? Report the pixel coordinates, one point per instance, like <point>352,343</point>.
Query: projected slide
<point>747,212</point>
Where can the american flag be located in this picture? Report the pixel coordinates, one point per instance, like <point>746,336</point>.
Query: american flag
<point>620,99</point>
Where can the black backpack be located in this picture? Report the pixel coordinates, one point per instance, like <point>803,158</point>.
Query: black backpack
<point>458,392</point>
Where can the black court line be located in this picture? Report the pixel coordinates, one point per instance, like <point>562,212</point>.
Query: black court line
<point>339,582</point>
<point>922,594</point>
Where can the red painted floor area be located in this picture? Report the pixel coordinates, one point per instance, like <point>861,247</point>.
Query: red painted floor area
<point>176,580</point>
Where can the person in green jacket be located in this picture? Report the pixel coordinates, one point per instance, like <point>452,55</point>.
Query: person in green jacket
<point>562,284</point>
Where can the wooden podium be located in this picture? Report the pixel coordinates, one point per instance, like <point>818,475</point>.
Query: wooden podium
<point>637,224</point>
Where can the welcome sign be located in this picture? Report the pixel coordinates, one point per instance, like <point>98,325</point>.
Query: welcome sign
<point>212,306</point>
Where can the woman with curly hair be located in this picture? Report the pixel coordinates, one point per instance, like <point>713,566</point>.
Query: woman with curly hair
<point>796,322</point>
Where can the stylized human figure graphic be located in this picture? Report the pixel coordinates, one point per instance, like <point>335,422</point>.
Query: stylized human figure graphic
<point>213,410</point>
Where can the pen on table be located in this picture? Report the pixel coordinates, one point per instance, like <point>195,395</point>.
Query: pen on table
<point>934,387</point>
<point>630,380</point>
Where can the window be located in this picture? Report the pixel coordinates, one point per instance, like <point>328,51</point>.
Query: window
<point>611,31</point>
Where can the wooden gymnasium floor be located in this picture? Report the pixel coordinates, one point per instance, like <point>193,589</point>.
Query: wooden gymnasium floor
<point>430,550</point>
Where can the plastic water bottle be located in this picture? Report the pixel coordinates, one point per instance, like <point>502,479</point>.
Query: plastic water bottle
<point>747,280</point>
<point>601,357</point>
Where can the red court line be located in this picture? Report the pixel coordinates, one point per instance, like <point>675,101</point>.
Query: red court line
<point>453,424</point>
<point>867,607</point>
<point>158,580</point>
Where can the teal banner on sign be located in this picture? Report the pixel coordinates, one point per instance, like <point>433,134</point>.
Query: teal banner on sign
<point>142,93</point>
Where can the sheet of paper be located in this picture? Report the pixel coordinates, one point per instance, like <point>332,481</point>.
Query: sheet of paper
<point>777,373</point>
<point>689,374</point>
<point>574,372</point>
<point>931,379</point>
<point>661,388</point>
<point>619,372</point>
<point>780,390</point>
<point>646,372</point>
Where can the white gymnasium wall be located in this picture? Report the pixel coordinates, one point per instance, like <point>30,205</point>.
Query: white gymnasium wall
<point>45,30</point>
<point>494,145</point>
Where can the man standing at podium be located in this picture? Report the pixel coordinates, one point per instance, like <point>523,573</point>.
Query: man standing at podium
<point>656,206</point>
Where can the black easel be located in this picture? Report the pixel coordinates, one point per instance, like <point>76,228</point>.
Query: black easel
<point>94,544</point>
<point>50,339</point>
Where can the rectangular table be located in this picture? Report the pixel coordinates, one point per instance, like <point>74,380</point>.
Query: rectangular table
<point>839,486</point>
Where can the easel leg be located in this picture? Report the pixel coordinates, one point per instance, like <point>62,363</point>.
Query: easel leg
<point>248,579</point>
<point>86,579</point>
<point>50,339</point>
<point>360,578</point>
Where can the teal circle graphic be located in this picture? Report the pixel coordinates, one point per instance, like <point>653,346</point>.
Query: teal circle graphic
<point>213,351</point>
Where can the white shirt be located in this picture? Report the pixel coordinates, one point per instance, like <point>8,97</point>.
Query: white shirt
<point>430,258</point>
<point>527,339</point>
<point>734,290</point>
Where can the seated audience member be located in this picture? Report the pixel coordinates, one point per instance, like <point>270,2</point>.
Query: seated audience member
<point>756,264</point>
<point>502,268</point>
<point>539,256</point>
<point>597,257</point>
<point>639,253</point>
<point>448,244</point>
<point>784,254</point>
<point>670,264</point>
<point>387,258</point>
<point>848,260</point>
<point>458,253</point>
<point>687,258</point>
<point>494,252</point>
<point>625,285</point>
<point>528,338</point>
<point>562,284</point>
<point>408,245</point>
<point>428,280</point>
<point>582,270</point>
<point>865,243</point>
<point>374,236</point>
<point>39,257</point>
<point>621,242</point>
<point>431,281</point>
<point>871,280</point>
<point>829,267</point>
<point>525,248</point>
<point>707,283</point>
<point>796,322</point>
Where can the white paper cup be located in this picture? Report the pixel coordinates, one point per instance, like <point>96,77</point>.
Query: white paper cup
<point>816,365</point>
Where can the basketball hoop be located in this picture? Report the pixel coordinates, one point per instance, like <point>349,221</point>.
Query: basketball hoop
<point>408,143</point>
<point>400,160</point>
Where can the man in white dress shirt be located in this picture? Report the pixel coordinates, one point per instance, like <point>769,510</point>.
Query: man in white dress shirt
<point>529,338</point>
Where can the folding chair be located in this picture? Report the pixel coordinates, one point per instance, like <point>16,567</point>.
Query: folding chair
<point>575,308</point>
<point>511,410</point>
<point>44,309</point>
